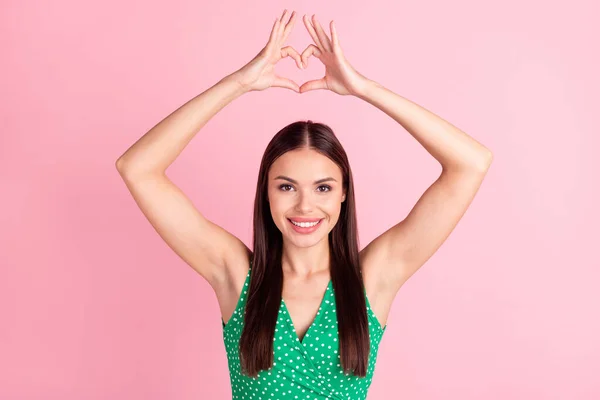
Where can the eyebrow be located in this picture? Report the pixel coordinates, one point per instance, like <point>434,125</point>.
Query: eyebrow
<point>329,178</point>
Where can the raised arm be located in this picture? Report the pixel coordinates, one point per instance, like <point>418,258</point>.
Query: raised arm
<point>199,242</point>
<point>214,253</point>
<point>394,256</point>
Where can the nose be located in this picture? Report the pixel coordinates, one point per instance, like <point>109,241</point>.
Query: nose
<point>304,204</point>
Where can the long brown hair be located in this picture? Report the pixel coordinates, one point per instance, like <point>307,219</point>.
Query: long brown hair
<point>266,284</point>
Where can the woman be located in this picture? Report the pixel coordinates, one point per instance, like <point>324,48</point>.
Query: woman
<point>304,312</point>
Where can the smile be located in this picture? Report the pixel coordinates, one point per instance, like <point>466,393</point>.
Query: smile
<point>305,227</point>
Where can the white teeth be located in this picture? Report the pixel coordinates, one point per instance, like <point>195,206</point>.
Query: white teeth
<point>305,224</point>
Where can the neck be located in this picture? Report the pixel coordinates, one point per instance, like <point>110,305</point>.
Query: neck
<point>305,261</point>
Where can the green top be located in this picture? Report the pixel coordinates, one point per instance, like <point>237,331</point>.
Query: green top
<point>302,369</point>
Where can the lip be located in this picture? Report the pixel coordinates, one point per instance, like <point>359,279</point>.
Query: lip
<point>302,219</point>
<point>305,230</point>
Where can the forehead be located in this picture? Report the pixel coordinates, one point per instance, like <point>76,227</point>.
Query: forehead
<point>305,165</point>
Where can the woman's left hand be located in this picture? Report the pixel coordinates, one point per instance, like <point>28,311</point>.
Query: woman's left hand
<point>339,77</point>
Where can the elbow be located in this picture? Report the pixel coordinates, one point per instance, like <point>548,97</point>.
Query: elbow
<point>129,170</point>
<point>123,168</point>
<point>486,160</point>
<point>120,164</point>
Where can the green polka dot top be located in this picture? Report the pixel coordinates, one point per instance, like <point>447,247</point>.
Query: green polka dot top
<point>307,369</point>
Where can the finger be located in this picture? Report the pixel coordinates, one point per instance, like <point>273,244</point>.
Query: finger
<point>311,31</point>
<point>309,51</point>
<point>283,15</point>
<point>289,51</point>
<point>313,85</point>
<point>282,24</point>
<point>321,34</point>
<point>285,83</point>
<point>334,37</point>
<point>273,37</point>
<point>288,28</point>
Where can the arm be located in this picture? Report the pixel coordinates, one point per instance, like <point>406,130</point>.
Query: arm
<point>157,149</point>
<point>199,242</point>
<point>399,252</point>
<point>454,149</point>
<point>214,253</point>
<point>390,259</point>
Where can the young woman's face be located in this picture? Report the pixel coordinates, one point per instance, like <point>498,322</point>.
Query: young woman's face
<point>304,184</point>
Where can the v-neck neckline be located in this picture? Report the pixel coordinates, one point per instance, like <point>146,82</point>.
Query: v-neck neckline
<point>310,327</point>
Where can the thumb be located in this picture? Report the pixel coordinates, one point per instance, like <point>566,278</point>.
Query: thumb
<point>285,83</point>
<point>313,85</point>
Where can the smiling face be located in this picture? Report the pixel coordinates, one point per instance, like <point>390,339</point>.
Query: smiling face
<point>305,185</point>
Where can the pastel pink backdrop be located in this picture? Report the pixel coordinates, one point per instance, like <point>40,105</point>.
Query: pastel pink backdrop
<point>94,305</point>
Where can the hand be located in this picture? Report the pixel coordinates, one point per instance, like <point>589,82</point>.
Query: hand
<point>339,77</point>
<point>259,73</point>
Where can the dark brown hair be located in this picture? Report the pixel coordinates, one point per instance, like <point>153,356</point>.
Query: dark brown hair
<point>266,284</point>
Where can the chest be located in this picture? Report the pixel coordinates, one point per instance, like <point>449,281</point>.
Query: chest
<point>303,303</point>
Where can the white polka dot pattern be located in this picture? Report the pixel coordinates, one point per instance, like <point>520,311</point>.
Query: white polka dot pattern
<point>307,369</point>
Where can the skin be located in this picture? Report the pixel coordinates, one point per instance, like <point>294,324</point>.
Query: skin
<point>305,258</point>
<point>222,259</point>
<point>304,254</point>
<point>340,77</point>
<point>394,256</point>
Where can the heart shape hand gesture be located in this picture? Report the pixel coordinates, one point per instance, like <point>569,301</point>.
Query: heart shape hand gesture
<point>339,77</point>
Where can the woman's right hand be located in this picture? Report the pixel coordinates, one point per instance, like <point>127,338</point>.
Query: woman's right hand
<point>259,73</point>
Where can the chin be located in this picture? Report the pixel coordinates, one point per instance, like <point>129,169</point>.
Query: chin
<point>305,242</point>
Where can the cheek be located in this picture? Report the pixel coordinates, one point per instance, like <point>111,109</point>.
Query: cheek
<point>332,209</point>
<point>279,208</point>
<point>277,203</point>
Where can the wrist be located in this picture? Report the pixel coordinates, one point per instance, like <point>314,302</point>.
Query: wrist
<point>364,88</point>
<point>234,80</point>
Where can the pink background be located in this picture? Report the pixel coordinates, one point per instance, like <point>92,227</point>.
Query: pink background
<point>94,305</point>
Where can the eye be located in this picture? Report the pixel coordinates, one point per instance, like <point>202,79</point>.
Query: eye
<point>326,188</point>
